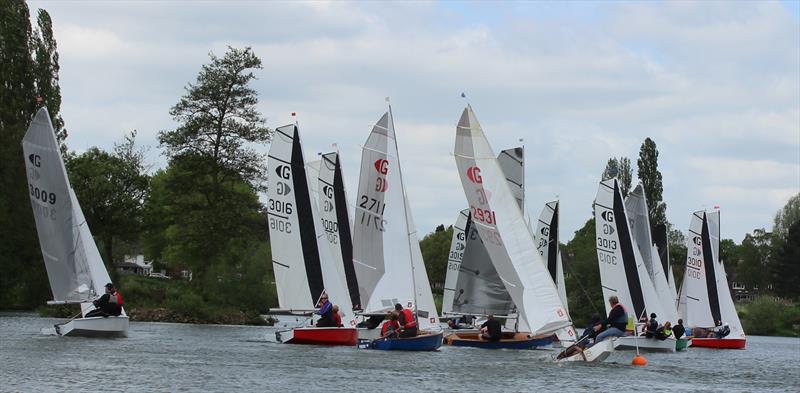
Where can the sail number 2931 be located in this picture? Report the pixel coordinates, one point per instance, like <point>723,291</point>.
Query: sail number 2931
<point>485,216</point>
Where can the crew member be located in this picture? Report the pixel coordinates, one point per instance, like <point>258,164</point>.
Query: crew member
<point>107,305</point>
<point>325,312</point>
<point>615,323</point>
<point>408,325</point>
<point>491,329</point>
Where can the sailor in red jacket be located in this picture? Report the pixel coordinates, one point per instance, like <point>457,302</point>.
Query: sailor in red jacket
<point>408,325</point>
<point>390,327</point>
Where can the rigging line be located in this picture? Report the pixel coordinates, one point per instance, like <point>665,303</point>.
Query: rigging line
<point>578,280</point>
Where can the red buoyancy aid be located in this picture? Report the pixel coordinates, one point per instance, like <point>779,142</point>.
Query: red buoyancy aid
<point>386,325</point>
<point>118,295</point>
<point>408,318</point>
<point>337,319</point>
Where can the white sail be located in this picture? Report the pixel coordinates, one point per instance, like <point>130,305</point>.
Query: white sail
<point>302,261</point>
<point>334,211</point>
<point>457,246</point>
<point>622,271</point>
<point>728,312</point>
<point>696,296</point>
<point>386,251</point>
<point>69,272</point>
<point>499,219</point>
<point>547,243</point>
<point>638,217</point>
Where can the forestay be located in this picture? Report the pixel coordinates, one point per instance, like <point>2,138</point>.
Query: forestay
<point>69,274</point>
<point>454,258</point>
<point>386,252</point>
<point>333,209</point>
<point>638,217</point>
<point>498,219</point>
<point>622,272</point>
<point>301,257</point>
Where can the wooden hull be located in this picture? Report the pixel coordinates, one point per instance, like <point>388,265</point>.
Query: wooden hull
<point>682,343</point>
<point>109,327</point>
<point>319,336</point>
<point>507,341</point>
<point>425,341</point>
<point>629,343</point>
<point>719,343</point>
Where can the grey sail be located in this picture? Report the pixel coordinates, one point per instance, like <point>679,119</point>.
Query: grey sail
<point>479,289</point>
<point>70,277</point>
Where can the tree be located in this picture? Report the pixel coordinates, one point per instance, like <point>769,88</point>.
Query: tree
<point>754,256</point>
<point>787,217</point>
<point>582,276</point>
<point>677,254</point>
<point>435,249</point>
<point>651,180</point>
<point>112,189</point>
<point>786,265</point>
<point>48,92</point>
<point>621,169</point>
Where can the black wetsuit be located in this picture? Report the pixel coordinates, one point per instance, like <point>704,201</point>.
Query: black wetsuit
<point>493,328</point>
<point>678,331</point>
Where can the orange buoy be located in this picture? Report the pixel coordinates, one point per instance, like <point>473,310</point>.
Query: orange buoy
<point>639,360</point>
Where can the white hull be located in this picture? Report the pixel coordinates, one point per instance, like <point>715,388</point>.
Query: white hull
<point>289,321</point>
<point>597,353</point>
<point>628,343</point>
<point>95,327</point>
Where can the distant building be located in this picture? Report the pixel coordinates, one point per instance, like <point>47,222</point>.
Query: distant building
<point>135,265</point>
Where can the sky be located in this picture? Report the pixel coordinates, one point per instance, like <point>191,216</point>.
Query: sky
<point>715,84</point>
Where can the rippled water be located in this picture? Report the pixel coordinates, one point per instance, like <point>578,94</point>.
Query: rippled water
<point>178,357</point>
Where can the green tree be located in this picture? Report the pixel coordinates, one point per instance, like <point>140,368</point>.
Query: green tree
<point>786,217</point>
<point>48,92</point>
<point>435,249</point>
<point>112,189</point>
<point>651,180</point>
<point>621,169</point>
<point>582,276</point>
<point>754,256</point>
<point>677,254</point>
<point>786,264</point>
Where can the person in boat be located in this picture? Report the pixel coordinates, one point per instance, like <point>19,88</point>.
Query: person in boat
<point>110,304</point>
<point>664,332</point>
<point>589,331</point>
<point>651,328</point>
<point>679,330</point>
<point>614,325</point>
<point>337,317</point>
<point>723,332</point>
<point>325,312</point>
<point>408,325</point>
<point>491,330</point>
<point>391,327</point>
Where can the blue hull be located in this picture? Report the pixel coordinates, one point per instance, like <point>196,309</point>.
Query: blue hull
<point>531,343</point>
<point>427,342</point>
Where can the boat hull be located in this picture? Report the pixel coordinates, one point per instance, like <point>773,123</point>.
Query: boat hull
<point>629,343</point>
<point>682,343</point>
<point>719,343</point>
<point>423,342</point>
<point>109,327</point>
<point>597,353</point>
<point>319,336</point>
<point>507,341</point>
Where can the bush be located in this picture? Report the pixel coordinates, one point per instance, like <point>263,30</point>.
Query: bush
<point>769,316</point>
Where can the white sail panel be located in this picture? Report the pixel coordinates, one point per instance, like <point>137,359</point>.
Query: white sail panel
<point>547,243</point>
<point>498,219</point>
<point>70,278</point>
<point>727,308</point>
<point>457,246</point>
<point>695,298</point>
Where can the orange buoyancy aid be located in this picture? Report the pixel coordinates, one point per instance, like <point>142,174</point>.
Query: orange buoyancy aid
<point>408,319</point>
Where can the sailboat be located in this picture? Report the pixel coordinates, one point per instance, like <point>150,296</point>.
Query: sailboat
<point>705,296</point>
<point>301,257</point>
<point>386,253</point>
<point>622,270</point>
<point>661,239</point>
<point>454,258</point>
<point>74,267</point>
<point>510,244</point>
<point>547,243</point>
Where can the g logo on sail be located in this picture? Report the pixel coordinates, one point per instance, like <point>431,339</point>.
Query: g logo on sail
<point>282,188</point>
<point>283,171</point>
<point>545,231</point>
<point>328,191</point>
<point>697,241</point>
<point>474,175</point>
<point>36,160</point>
<point>382,166</point>
<point>608,215</point>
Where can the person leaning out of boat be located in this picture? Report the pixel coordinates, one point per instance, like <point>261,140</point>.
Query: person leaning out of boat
<point>679,330</point>
<point>390,327</point>
<point>651,328</point>
<point>664,332</point>
<point>615,324</point>
<point>325,312</point>
<point>108,304</point>
<point>491,329</point>
<point>408,325</point>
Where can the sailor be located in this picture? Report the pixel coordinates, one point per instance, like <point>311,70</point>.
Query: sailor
<point>325,312</point>
<point>108,304</point>
<point>665,331</point>
<point>589,330</point>
<point>491,329</point>
<point>724,331</point>
<point>337,318</point>
<point>408,325</point>
<point>679,330</point>
<point>615,323</point>
<point>652,327</point>
<point>390,327</point>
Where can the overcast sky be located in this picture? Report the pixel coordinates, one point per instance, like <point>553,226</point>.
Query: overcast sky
<point>716,85</point>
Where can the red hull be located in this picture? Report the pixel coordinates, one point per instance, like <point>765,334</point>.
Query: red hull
<point>324,336</point>
<point>720,343</point>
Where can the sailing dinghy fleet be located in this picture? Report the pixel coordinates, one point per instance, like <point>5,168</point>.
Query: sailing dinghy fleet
<point>368,261</point>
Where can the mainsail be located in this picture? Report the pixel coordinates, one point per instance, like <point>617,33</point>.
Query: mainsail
<point>333,209</point>
<point>637,212</point>
<point>498,219</point>
<point>74,266</point>
<point>622,272</point>
<point>549,249</point>
<point>479,289</point>
<point>661,240</point>
<point>302,260</point>
<point>454,258</point>
<point>386,252</point>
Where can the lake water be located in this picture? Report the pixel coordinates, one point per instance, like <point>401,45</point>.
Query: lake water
<point>177,357</point>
